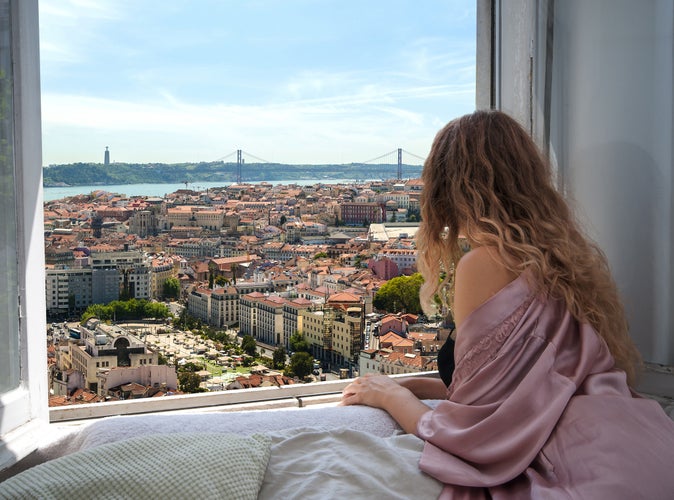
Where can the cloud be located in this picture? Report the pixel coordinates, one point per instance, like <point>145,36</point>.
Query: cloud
<point>175,87</point>
<point>316,130</point>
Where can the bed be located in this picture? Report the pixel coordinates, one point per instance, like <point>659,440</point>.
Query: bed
<point>325,452</point>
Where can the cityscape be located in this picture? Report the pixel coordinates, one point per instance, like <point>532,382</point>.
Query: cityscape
<point>242,286</point>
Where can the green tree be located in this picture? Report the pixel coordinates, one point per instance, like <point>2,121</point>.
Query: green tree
<point>100,311</point>
<point>171,288</point>
<point>222,281</point>
<point>283,220</point>
<point>161,359</point>
<point>248,345</point>
<point>413,215</point>
<point>279,358</point>
<point>400,294</point>
<point>301,364</point>
<point>222,336</point>
<point>320,255</point>
<point>186,321</point>
<point>189,382</point>
<point>298,343</point>
<point>155,310</point>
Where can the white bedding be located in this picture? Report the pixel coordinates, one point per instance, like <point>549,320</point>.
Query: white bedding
<point>334,452</point>
<point>346,464</point>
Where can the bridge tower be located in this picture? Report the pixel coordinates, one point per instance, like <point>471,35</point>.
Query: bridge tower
<point>239,162</point>
<point>400,163</point>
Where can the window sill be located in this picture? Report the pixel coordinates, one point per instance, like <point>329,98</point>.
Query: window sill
<point>327,393</point>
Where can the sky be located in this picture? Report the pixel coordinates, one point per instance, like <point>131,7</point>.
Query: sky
<point>286,81</point>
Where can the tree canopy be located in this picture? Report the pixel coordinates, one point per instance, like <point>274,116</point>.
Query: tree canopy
<point>118,310</point>
<point>189,382</point>
<point>222,281</point>
<point>171,288</point>
<point>301,364</point>
<point>279,358</point>
<point>249,345</point>
<point>186,321</point>
<point>298,343</point>
<point>400,294</point>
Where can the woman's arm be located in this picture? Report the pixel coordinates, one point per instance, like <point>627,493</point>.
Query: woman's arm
<point>383,392</point>
<point>478,276</point>
<point>424,387</point>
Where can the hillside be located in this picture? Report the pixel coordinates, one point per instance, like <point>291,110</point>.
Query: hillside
<point>84,174</point>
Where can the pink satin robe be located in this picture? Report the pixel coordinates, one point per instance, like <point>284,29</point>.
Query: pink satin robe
<point>536,410</point>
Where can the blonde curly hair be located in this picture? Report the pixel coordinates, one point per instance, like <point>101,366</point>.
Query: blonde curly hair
<point>486,179</point>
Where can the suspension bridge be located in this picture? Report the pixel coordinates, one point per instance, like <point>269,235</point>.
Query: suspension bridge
<point>394,157</point>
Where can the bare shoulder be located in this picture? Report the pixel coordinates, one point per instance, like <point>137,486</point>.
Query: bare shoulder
<point>478,276</point>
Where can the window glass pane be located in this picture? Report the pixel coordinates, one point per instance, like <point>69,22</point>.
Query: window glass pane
<point>9,303</point>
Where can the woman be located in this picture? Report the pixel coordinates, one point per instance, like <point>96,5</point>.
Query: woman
<point>540,403</point>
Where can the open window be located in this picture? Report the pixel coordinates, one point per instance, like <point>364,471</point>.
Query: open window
<point>23,378</point>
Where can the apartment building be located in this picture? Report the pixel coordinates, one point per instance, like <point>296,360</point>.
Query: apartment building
<point>199,304</point>
<point>383,267</point>
<point>145,380</point>
<point>335,331</point>
<point>224,307</point>
<point>218,307</point>
<point>369,362</point>
<point>357,214</point>
<point>195,248</point>
<point>68,291</point>
<point>292,318</point>
<point>116,272</point>
<point>162,268</point>
<point>401,198</point>
<point>261,316</point>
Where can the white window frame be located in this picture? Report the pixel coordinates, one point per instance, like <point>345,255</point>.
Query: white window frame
<point>24,411</point>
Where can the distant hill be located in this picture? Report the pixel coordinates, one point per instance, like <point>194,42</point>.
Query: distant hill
<point>85,174</point>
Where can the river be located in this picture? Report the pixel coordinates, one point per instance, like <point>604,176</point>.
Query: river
<point>159,190</point>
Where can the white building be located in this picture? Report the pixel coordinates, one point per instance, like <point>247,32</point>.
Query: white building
<point>103,346</point>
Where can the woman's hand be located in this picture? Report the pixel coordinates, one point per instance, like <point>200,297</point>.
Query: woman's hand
<point>371,390</point>
<point>383,392</point>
